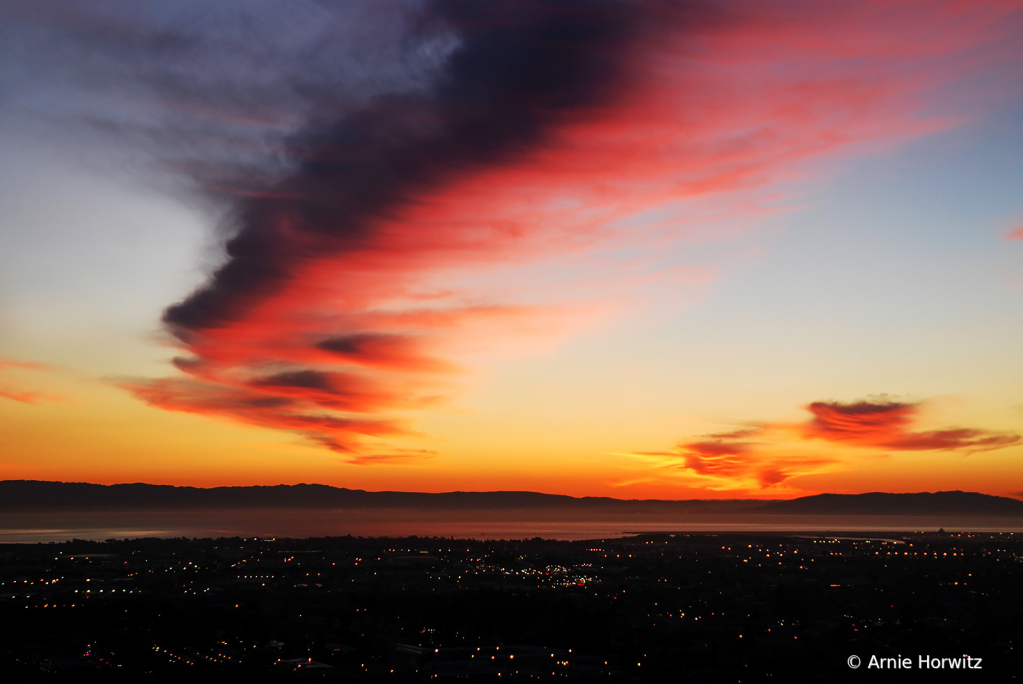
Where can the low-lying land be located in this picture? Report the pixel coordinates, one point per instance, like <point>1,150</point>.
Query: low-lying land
<point>653,607</point>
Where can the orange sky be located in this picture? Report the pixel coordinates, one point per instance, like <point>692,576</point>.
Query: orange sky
<point>743,252</point>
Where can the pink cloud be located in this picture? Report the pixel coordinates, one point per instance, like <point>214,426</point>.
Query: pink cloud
<point>734,458</point>
<point>756,454</point>
<point>292,414</point>
<point>23,365</point>
<point>886,424</point>
<point>22,396</point>
<point>27,397</point>
<point>318,311</point>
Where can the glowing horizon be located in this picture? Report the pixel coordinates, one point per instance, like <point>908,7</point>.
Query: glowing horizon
<point>641,250</point>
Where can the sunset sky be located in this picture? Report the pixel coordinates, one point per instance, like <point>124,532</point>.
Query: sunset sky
<point>641,249</point>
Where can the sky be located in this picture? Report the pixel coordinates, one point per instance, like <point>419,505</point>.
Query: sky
<point>641,249</point>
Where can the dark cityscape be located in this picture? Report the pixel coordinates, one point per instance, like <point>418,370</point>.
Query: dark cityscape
<point>752,607</point>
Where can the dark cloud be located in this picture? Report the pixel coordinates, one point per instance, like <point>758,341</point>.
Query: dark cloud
<point>334,390</point>
<point>314,128</point>
<point>353,345</point>
<point>518,70</point>
<point>386,350</point>
<point>210,90</point>
<point>306,379</point>
<point>490,83</point>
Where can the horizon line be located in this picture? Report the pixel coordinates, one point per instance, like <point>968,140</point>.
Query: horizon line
<point>502,491</point>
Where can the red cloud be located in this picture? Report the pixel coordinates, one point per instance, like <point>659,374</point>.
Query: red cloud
<point>398,457</point>
<point>726,457</point>
<point>25,397</point>
<point>1016,234</point>
<point>333,390</point>
<point>22,365</point>
<point>751,454</point>
<point>552,122</point>
<point>731,459</point>
<point>861,422</point>
<point>257,408</point>
<point>885,424</point>
<point>402,352</point>
<point>723,455</point>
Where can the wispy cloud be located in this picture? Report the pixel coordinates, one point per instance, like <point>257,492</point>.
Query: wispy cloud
<point>768,455</point>
<point>885,424</point>
<point>23,365</point>
<point>25,396</point>
<point>281,412</point>
<point>736,460</point>
<point>388,172</point>
<point>396,457</point>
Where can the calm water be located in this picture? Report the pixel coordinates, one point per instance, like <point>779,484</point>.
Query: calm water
<point>53,527</point>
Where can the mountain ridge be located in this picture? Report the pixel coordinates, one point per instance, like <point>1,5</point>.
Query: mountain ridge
<point>44,495</point>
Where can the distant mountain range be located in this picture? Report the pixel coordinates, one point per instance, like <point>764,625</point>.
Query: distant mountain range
<point>37,495</point>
